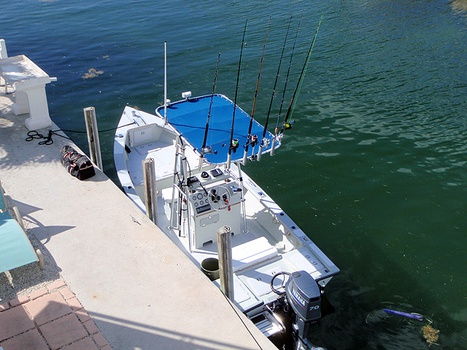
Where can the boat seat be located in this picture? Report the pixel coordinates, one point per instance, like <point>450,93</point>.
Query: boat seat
<point>166,194</point>
<point>143,134</point>
<point>252,253</point>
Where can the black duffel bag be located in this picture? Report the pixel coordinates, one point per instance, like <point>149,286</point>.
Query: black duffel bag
<point>78,165</point>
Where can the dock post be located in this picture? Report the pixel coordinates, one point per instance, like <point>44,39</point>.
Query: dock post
<point>149,174</point>
<point>224,248</point>
<point>3,54</point>
<point>3,51</point>
<point>93,136</point>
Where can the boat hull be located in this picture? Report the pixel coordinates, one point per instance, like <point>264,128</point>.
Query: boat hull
<point>197,193</point>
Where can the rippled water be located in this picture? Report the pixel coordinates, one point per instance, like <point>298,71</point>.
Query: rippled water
<point>374,168</point>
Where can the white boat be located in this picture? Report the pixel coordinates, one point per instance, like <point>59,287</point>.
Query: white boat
<point>198,188</point>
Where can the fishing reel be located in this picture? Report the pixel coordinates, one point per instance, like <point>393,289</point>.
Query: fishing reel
<point>252,140</point>
<point>288,125</point>
<point>234,145</point>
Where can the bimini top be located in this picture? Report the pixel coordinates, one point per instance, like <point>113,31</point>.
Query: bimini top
<point>190,116</point>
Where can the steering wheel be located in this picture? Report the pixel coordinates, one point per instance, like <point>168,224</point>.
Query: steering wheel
<point>219,197</point>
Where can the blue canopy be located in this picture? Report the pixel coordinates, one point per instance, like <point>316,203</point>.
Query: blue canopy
<point>189,118</point>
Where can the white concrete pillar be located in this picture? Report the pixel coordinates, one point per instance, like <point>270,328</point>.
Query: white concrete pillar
<point>33,100</point>
<point>29,83</point>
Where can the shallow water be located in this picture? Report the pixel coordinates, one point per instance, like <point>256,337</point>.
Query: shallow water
<point>374,168</point>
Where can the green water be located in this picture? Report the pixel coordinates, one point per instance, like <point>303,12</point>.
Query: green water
<point>374,168</point>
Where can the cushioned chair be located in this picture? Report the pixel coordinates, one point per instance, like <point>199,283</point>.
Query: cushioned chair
<point>15,248</point>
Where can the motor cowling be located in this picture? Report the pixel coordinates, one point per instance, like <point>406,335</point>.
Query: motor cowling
<point>304,297</point>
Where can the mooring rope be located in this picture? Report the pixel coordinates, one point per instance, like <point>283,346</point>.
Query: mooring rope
<point>47,140</point>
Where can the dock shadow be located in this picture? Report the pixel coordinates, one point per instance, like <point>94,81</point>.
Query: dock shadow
<point>126,334</point>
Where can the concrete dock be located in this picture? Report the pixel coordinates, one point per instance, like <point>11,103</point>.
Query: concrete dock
<point>138,288</point>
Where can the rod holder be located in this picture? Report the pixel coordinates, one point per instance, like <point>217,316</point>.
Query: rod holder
<point>93,136</point>
<point>224,248</point>
<point>150,192</point>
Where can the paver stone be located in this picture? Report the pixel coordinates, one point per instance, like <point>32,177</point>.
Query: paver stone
<point>14,321</point>
<point>83,344</point>
<point>47,308</point>
<point>28,340</point>
<point>63,331</point>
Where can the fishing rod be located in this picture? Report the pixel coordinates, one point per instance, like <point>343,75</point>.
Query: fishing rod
<point>276,129</point>
<point>233,143</point>
<point>203,147</point>
<point>260,151</point>
<point>293,101</point>
<point>253,139</point>
<point>165,83</point>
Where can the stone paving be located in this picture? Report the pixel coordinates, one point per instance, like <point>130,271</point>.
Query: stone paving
<point>49,318</point>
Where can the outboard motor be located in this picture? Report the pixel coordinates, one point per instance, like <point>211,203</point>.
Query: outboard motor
<point>304,296</point>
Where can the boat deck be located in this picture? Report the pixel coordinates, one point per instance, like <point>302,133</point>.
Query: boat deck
<point>193,203</point>
<point>258,251</point>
